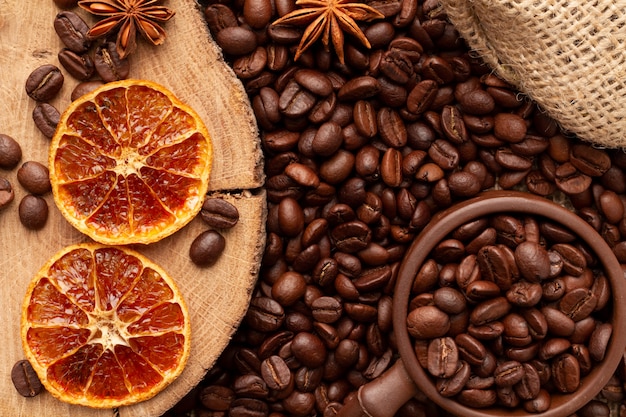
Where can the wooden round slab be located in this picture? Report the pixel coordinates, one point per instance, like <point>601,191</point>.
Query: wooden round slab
<point>191,66</point>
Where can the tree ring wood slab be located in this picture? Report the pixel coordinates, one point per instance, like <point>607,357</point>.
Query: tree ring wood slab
<point>190,64</point>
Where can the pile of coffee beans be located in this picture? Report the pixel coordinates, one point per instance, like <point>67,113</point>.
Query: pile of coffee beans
<point>508,310</point>
<point>359,157</point>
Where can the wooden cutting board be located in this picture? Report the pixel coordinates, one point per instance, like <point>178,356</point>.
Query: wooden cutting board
<point>191,66</point>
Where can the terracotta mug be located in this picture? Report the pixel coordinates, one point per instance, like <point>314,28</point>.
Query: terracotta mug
<point>383,396</point>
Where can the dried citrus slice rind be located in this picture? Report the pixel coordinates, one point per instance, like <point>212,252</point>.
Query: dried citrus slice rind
<point>104,326</point>
<point>129,163</point>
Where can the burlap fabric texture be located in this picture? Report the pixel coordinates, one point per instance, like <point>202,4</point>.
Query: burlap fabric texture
<point>567,55</point>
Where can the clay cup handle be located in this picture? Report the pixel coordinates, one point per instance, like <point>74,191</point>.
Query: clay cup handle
<point>383,396</point>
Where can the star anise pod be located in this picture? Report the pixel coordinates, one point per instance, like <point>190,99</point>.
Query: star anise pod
<point>328,19</point>
<point>127,17</point>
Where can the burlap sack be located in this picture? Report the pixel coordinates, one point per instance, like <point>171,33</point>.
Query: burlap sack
<point>567,55</point>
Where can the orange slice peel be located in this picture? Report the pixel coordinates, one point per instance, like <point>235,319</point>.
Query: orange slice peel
<point>130,163</point>
<point>104,326</point>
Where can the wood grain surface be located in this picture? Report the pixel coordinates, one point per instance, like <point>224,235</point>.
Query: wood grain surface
<point>191,66</point>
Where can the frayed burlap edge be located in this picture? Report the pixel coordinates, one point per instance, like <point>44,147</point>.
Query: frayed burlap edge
<point>567,56</point>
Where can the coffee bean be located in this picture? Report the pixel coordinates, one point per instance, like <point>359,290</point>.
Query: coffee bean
<point>219,213</point>
<point>265,314</point>
<point>80,66</point>
<point>33,212</point>
<point>309,349</point>
<point>108,63</point>
<point>509,373</point>
<point>85,87</point>
<point>533,261</point>
<point>44,82</point>
<point>6,193</point>
<point>289,288</point>
<point>217,397</point>
<point>72,30</point>
<point>599,341</point>
<point>326,309</point>
<point>589,160</point>
<point>236,40</point>
<point>10,152</point>
<point>275,373</point>
<point>509,127</point>
<point>566,373</point>
<point>34,177</point>
<point>46,118</point>
<point>218,17</point>
<point>427,322</point>
<point>206,248</point>
<point>25,379</point>
<point>443,357</point>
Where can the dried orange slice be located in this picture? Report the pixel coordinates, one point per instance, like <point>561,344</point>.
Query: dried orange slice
<point>104,326</point>
<point>129,163</point>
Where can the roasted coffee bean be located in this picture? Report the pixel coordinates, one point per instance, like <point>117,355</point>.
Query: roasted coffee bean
<point>529,386</point>
<point>25,379</point>
<point>236,40</point>
<point>533,261</point>
<point>46,118</point>
<point>72,30</point>
<point>33,212</point>
<point>326,309</point>
<point>108,63</point>
<point>80,66</point>
<point>574,261</point>
<point>34,177</point>
<point>219,213</point>
<point>508,373</point>
<point>589,160</point>
<point>509,127</point>
<point>289,288</point>
<point>524,294</point>
<point>494,266</point>
<point>265,314</point>
<point>566,373</point>
<point>217,397</point>
<point>477,398</point>
<point>10,152</point>
<point>427,322</point>
<point>578,303</point>
<point>6,193</point>
<point>599,341</point>
<point>218,17</point>
<point>309,349</point>
<point>85,87</point>
<point>44,82</point>
<point>490,310</point>
<point>206,248</point>
<point>391,128</point>
<point>470,349</point>
<point>516,331</point>
<point>540,403</point>
<point>571,181</point>
<point>449,300</point>
<point>248,407</point>
<point>275,373</point>
<point>443,357</point>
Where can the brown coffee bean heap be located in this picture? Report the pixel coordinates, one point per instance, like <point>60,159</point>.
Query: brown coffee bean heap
<point>502,300</point>
<point>359,156</point>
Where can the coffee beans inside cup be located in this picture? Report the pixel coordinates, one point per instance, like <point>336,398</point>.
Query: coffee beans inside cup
<point>507,310</point>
